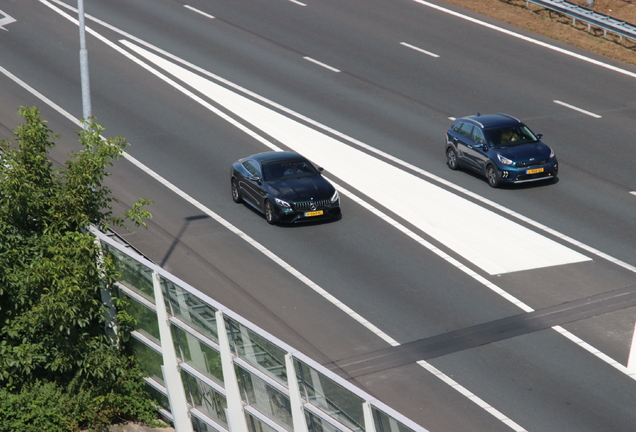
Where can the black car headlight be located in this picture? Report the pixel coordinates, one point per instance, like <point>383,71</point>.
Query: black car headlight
<point>335,197</point>
<point>282,203</point>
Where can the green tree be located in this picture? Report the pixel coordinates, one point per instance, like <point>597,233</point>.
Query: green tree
<point>52,318</point>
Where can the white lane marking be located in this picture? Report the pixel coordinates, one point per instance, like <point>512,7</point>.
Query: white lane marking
<point>326,66</point>
<point>631,361</point>
<point>633,192</point>
<point>198,11</point>
<point>6,20</point>
<point>567,105</point>
<point>470,395</point>
<point>408,45</point>
<point>527,39</point>
<point>441,214</point>
<point>298,3</point>
<point>346,309</point>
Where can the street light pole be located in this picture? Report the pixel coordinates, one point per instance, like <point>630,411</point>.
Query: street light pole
<point>86,91</point>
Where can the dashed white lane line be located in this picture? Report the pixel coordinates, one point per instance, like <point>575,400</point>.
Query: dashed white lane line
<point>326,66</point>
<point>198,11</point>
<point>575,108</point>
<point>298,3</point>
<point>413,47</point>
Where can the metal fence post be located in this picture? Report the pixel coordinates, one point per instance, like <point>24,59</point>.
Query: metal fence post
<point>235,413</point>
<point>170,368</point>
<point>297,410</point>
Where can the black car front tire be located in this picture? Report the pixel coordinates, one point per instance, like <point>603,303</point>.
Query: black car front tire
<point>493,176</point>
<point>451,158</point>
<point>236,192</point>
<point>270,213</point>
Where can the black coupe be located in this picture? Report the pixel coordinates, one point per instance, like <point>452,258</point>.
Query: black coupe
<point>285,187</point>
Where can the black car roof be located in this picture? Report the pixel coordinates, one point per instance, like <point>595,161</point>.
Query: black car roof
<point>490,121</point>
<point>276,156</point>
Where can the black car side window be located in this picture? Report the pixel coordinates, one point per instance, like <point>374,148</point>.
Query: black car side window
<point>252,167</point>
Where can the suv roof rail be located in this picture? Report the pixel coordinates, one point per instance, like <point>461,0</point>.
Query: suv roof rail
<point>509,116</point>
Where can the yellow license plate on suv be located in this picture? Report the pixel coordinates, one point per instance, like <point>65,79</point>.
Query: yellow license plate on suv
<point>534,171</point>
<point>314,213</point>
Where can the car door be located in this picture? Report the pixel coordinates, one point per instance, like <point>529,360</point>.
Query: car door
<point>479,149</point>
<point>252,185</point>
<point>465,146</point>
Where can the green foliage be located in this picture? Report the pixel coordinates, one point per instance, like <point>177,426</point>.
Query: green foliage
<point>58,367</point>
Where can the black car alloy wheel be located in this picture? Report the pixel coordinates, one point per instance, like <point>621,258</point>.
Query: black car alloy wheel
<point>270,213</point>
<point>236,193</point>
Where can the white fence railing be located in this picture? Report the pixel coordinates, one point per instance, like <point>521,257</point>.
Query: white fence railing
<point>213,370</point>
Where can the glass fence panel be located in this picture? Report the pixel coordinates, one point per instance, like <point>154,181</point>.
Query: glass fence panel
<point>197,354</point>
<point>384,423</point>
<point>146,318</point>
<point>161,398</point>
<point>205,398</point>
<point>316,424</point>
<point>269,401</point>
<point>256,350</point>
<point>133,274</point>
<point>201,426</point>
<point>255,425</point>
<point>330,397</point>
<point>190,309</point>
<point>150,360</point>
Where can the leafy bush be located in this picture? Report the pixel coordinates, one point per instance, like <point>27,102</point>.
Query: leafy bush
<point>59,367</point>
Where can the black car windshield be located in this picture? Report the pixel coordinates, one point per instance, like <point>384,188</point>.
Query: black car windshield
<point>510,136</point>
<point>276,171</point>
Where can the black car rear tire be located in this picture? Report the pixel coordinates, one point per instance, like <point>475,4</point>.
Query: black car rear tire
<point>493,176</point>
<point>270,213</point>
<point>451,158</point>
<point>236,192</point>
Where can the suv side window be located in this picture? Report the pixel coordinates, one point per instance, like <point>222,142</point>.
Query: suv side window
<point>252,167</point>
<point>478,136</point>
<point>466,130</point>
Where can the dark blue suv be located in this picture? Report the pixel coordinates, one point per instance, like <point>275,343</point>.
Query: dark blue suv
<point>501,148</point>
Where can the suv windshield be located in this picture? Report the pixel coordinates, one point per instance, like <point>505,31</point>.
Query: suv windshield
<point>510,136</point>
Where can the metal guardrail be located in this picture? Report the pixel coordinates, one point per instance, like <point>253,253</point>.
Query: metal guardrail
<point>592,18</point>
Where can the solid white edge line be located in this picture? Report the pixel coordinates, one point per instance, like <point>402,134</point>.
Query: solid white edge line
<point>572,107</point>
<point>198,11</point>
<point>527,39</point>
<point>408,45</point>
<point>326,66</point>
<point>471,396</point>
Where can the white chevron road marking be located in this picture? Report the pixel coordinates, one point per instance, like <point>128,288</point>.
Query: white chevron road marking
<point>437,212</point>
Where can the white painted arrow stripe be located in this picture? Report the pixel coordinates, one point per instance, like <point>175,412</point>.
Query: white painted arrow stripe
<point>448,218</point>
<point>6,20</point>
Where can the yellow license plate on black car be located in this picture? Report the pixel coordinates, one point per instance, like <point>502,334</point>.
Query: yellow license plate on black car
<point>534,171</point>
<point>314,213</point>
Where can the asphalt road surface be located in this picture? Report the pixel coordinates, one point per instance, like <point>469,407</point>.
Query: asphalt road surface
<point>461,306</point>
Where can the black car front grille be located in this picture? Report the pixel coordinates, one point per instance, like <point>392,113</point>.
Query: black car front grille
<point>533,163</point>
<point>305,206</point>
